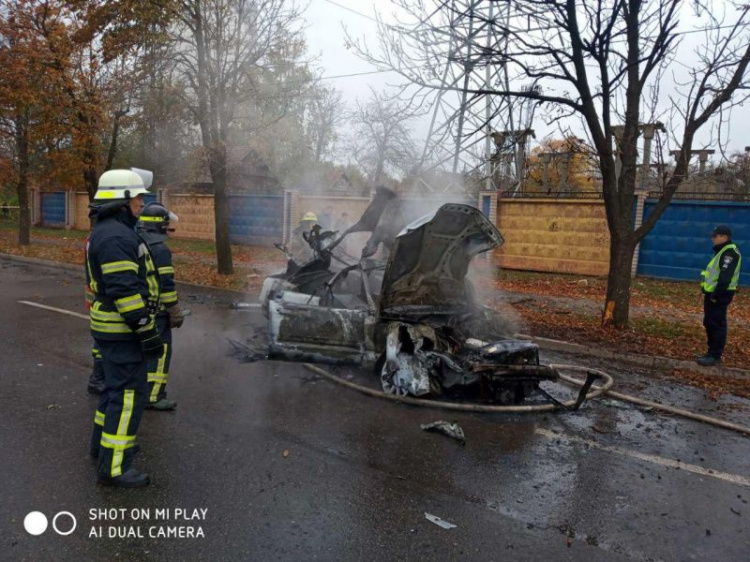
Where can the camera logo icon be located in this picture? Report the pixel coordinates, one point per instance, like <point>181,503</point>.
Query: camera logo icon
<point>36,523</point>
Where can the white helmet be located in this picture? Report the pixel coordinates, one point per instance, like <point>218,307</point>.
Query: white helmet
<point>119,185</point>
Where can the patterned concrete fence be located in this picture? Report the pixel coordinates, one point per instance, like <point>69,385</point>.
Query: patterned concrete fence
<point>196,213</point>
<point>555,235</point>
<point>81,211</point>
<point>334,212</point>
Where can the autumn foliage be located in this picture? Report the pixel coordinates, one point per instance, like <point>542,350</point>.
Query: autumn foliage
<point>555,155</point>
<point>68,71</point>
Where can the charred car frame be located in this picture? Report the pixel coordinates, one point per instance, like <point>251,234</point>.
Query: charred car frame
<point>414,319</point>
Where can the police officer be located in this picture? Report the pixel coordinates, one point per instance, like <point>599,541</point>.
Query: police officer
<point>153,227</point>
<point>123,326</point>
<point>720,280</point>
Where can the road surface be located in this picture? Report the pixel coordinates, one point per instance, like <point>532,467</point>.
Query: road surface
<point>265,461</point>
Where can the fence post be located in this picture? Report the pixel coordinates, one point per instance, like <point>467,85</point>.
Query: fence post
<point>291,212</point>
<point>36,210</point>
<point>70,209</point>
<point>487,203</point>
<point>641,196</point>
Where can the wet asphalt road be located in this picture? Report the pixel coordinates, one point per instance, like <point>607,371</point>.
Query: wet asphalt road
<point>359,474</point>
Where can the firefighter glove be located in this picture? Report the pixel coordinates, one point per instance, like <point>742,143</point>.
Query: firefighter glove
<point>176,317</point>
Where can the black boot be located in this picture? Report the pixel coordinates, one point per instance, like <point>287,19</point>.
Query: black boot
<point>96,380</point>
<point>163,404</point>
<point>708,361</point>
<point>132,478</point>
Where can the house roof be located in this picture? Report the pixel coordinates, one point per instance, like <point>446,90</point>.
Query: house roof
<point>237,158</point>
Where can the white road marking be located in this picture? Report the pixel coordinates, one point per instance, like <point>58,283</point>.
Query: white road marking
<point>661,461</point>
<point>55,309</point>
<point>654,459</point>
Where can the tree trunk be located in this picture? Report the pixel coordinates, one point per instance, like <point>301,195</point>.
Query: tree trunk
<point>617,306</point>
<point>91,180</point>
<point>112,152</point>
<point>217,163</point>
<point>22,186</point>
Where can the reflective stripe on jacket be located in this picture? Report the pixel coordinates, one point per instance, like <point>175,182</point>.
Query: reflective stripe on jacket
<point>163,261</point>
<point>117,263</point>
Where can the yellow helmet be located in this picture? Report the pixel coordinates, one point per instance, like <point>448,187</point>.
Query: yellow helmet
<point>308,216</point>
<point>119,184</point>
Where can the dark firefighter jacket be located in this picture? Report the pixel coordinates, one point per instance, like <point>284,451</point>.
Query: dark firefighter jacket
<point>164,271</point>
<point>117,266</point>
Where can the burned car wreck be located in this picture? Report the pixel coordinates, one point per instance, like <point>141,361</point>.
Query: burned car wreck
<point>414,319</point>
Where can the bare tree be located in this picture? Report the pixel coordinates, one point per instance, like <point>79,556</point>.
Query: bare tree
<point>223,46</point>
<point>323,116</point>
<point>381,141</point>
<point>595,61</point>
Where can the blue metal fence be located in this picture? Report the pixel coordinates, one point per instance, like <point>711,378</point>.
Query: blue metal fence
<point>486,205</point>
<point>256,219</point>
<point>679,246</point>
<point>53,208</point>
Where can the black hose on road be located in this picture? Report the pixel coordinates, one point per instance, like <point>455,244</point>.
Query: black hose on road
<point>535,408</point>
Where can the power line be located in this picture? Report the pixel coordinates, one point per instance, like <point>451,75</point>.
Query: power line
<point>352,10</point>
<point>686,32</point>
<point>357,74</point>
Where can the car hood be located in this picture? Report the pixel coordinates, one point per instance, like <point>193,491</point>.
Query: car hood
<point>428,263</point>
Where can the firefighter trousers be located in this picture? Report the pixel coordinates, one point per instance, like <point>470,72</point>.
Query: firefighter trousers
<point>158,367</point>
<point>121,405</point>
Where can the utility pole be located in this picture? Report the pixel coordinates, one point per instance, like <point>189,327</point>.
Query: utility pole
<point>649,131</point>
<point>702,157</point>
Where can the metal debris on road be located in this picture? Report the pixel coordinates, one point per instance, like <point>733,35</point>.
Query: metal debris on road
<point>247,354</point>
<point>439,522</point>
<point>452,430</point>
<point>245,306</point>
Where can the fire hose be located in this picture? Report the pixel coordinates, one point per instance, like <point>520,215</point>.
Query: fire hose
<point>596,390</point>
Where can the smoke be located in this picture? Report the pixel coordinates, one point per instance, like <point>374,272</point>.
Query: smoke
<point>485,276</point>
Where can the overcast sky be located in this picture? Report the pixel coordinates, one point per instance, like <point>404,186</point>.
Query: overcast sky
<point>326,38</point>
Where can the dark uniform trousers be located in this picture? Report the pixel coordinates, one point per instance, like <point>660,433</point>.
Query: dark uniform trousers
<point>121,405</point>
<point>158,367</point>
<point>715,321</point>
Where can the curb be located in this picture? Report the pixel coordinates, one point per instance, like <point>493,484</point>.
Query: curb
<point>78,270</point>
<point>46,263</point>
<point>648,361</point>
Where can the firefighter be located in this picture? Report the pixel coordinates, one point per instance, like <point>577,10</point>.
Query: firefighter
<point>298,247</point>
<point>720,280</point>
<point>96,378</point>
<point>154,226</point>
<point>122,324</point>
